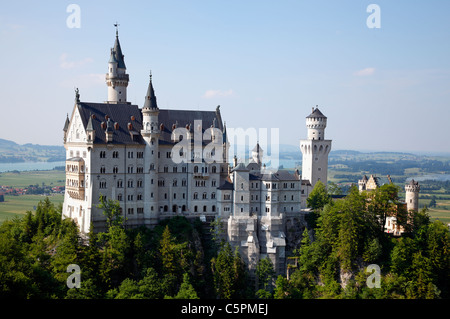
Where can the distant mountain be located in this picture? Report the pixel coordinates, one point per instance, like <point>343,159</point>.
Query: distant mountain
<point>11,152</point>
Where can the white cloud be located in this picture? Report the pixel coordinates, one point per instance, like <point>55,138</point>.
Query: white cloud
<point>63,63</point>
<point>218,93</point>
<point>365,72</point>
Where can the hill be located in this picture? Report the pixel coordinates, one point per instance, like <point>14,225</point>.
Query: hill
<point>11,152</point>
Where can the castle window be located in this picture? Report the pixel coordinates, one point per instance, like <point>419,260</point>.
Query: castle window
<point>119,183</point>
<point>204,208</point>
<point>183,182</point>
<point>140,210</point>
<point>213,195</point>
<point>130,197</point>
<point>130,211</point>
<point>139,183</point>
<point>119,197</point>
<point>195,208</point>
<point>205,196</point>
<point>213,208</point>
<point>102,184</point>
<point>195,195</point>
<point>196,169</point>
<point>213,169</point>
<point>102,170</point>
<point>166,169</point>
<point>174,208</point>
<point>139,170</point>
<point>139,197</point>
<point>102,154</point>
<point>115,169</point>
<point>130,183</point>
<point>174,183</point>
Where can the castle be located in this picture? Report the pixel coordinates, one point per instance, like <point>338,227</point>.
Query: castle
<point>159,163</point>
<point>411,203</point>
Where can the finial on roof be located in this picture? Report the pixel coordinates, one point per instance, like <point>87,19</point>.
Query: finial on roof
<point>117,28</point>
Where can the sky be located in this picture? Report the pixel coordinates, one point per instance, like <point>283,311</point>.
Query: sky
<point>266,63</point>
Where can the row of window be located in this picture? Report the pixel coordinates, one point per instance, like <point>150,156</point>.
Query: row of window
<point>115,154</point>
<point>165,208</point>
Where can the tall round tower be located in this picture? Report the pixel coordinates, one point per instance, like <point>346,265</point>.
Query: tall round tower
<point>315,149</point>
<point>412,190</point>
<point>117,78</point>
<point>150,132</point>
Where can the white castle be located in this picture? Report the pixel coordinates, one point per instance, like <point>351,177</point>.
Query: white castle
<point>126,153</point>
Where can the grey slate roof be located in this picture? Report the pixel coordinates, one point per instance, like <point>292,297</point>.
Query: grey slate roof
<point>186,117</point>
<point>122,115</point>
<point>118,53</point>
<point>117,113</point>
<point>226,186</point>
<point>280,175</point>
<point>316,114</point>
<point>150,97</point>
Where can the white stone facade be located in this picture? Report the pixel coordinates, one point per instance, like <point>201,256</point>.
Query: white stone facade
<point>126,153</point>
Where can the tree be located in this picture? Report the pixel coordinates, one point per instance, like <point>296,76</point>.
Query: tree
<point>224,273</point>
<point>384,202</point>
<point>265,274</point>
<point>319,196</point>
<point>186,291</point>
<point>112,211</point>
<point>166,251</point>
<point>317,200</point>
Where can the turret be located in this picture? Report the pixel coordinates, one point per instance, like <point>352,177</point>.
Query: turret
<point>316,123</point>
<point>315,149</point>
<point>150,132</point>
<point>412,190</point>
<point>117,79</point>
<point>257,154</point>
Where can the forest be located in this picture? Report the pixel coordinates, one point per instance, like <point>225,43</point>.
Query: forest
<point>182,259</point>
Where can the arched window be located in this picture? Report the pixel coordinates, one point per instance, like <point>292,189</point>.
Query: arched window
<point>196,169</point>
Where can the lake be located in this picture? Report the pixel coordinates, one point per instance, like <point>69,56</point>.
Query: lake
<point>29,166</point>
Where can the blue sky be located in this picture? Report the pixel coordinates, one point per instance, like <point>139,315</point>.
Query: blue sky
<point>265,62</point>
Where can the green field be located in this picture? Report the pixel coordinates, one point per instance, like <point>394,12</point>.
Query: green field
<point>18,205</point>
<point>24,179</point>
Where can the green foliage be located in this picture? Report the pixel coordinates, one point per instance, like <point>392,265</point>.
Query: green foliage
<point>348,236</point>
<point>229,273</point>
<point>111,209</point>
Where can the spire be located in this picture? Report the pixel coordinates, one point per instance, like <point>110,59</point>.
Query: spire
<point>118,51</point>
<point>66,125</point>
<point>89,126</point>
<point>112,58</point>
<point>150,98</point>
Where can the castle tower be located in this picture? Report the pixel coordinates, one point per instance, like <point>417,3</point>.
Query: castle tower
<point>412,195</point>
<point>315,149</point>
<point>150,132</point>
<point>117,79</point>
<point>257,154</point>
